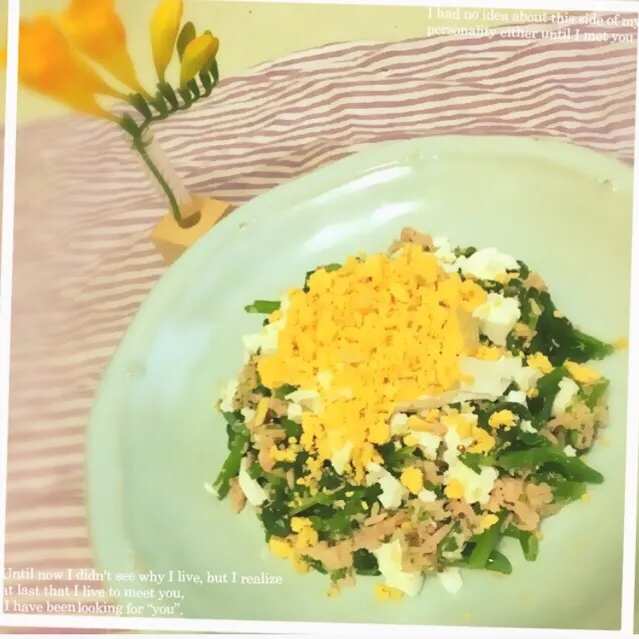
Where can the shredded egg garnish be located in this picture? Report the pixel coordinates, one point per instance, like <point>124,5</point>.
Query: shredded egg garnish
<point>388,329</point>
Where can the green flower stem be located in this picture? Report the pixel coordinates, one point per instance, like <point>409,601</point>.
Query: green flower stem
<point>141,147</point>
<point>167,101</point>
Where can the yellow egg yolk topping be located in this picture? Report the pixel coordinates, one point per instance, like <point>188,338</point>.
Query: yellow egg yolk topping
<point>377,331</point>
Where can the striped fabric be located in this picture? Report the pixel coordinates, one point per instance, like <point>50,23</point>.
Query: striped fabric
<point>84,210</point>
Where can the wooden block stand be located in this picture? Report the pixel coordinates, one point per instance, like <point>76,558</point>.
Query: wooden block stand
<point>171,240</point>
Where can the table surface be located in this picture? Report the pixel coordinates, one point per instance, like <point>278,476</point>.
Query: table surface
<point>250,33</point>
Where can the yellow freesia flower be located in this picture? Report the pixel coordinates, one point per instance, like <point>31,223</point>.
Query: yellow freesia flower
<point>165,24</point>
<point>197,54</point>
<point>95,29</point>
<point>47,64</point>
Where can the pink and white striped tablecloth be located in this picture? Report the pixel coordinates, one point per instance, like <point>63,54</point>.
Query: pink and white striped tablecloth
<point>84,209</point>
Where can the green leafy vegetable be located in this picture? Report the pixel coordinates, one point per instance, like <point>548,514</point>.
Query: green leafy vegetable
<point>559,340</point>
<point>231,466</point>
<point>396,458</point>
<point>568,491</point>
<point>276,518</point>
<point>365,563</point>
<point>571,468</point>
<point>475,461</point>
<point>315,564</point>
<point>485,544</point>
<point>291,428</point>
<point>498,562</point>
<point>336,575</point>
<point>283,391</point>
<point>548,387</point>
<point>528,541</point>
<point>263,307</point>
<point>327,267</point>
<point>596,392</point>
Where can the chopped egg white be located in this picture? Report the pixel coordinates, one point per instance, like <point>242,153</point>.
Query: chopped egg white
<point>427,496</point>
<point>269,337</point>
<point>392,489</point>
<point>526,426</point>
<point>488,378</point>
<point>451,580</point>
<point>253,492</point>
<point>398,423</point>
<point>294,412</point>
<point>266,340</point>
<point>340,458</point>
<point>427,442</point>
<point>477,486</point>
<point>247,413</point>
<point>389,560</point>
<point>526,377</point>
<point>252,343</point>
<point>497,317</point>
<point>569,451</point>
<point>307,398</point>
<point>487,264</point>
<point>567,391</point>
<point>517,397</point>
<point>445,254</point>
<point>453,442</point>
<point>228,393</point>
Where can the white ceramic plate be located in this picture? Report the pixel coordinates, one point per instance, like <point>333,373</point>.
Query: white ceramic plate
<point>155,438</point>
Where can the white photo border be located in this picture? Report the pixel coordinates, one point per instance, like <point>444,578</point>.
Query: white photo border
<point>321,628</point>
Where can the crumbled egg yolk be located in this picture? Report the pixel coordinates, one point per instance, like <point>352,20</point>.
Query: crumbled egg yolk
<point>467,428</point>
<point>502,419</point>
<point>285,455</point>
<point>621,343</point>
<point>540,362</point>
<point>488,353</point>
<point>390,329</point>
<point>261,411</point>
<point>532,392</point>
<point>483,442</point>
<point>299,565</point>
<point>306,535</point>
<point>410,440</point>
<point>460,423</point>
<point>333,591</point>
<point>280,547</point>
<point>454,490</point>
<point>413,479</point>
<point>382,592</point>
<point>488,520</point>
<point>299,523</point>
<point>387,593</point>
<point>582,374</point>
<point>396,594</point>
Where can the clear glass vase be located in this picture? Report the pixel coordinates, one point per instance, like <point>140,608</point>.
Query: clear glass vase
<point>167,182</point>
